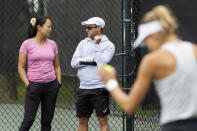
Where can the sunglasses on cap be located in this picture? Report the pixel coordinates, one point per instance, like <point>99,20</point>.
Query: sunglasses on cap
<point>90,27</point>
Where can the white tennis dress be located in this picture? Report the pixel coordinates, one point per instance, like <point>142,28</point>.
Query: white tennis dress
<point>178,91</point>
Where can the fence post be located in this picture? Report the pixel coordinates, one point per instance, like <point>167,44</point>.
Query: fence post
<point>75,89</point>
<point>127,48</point>
<point>41,7</point>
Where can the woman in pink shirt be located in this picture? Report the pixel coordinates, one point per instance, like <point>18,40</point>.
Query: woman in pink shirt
<point>43,77</point>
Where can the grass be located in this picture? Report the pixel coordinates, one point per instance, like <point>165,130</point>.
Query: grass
<point>65,95</point>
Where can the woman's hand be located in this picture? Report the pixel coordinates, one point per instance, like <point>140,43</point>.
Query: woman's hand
<point>106,72</point>
<point>26,84</point>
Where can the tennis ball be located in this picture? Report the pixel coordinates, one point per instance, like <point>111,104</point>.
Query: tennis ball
<point>108,68</point>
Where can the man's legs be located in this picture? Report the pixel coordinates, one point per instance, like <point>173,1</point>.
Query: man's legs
<point>83,124</point>
<point>100,102</point>
<point>103,122</point>
<point>83,108</point>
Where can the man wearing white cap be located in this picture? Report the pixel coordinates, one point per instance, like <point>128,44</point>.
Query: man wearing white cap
<point>94,50</point>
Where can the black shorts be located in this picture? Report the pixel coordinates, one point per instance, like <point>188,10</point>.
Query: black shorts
<point>181,125</point>
<point>90,99</point>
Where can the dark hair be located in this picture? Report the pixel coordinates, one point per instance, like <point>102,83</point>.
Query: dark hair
<point>32,30</point>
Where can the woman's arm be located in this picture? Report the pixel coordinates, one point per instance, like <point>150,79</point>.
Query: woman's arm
<point>57,68</point>
<point>130,102</point>
<point>22,60</point>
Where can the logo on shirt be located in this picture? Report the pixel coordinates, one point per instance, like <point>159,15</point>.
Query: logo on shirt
<point>105,110</point>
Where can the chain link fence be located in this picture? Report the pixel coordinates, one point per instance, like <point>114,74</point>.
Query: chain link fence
<point>66,16</point>
<point>146,117</point>
<point>68,32</point>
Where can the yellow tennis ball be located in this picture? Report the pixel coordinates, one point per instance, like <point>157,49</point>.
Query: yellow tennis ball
<point>108,68</point>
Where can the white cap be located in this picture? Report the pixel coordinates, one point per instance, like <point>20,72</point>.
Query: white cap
<point>94,20</point>
<point>144,30</point>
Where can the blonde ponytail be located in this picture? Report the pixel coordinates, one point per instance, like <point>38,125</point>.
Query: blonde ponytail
<point>165,17</point>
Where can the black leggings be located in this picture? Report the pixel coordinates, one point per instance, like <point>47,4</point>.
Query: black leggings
<point>46,93</point>
<point>181,125</point>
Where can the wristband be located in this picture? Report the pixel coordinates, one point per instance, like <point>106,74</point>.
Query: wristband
<point>111,84</point>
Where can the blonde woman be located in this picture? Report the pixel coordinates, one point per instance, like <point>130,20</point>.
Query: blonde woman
<point>171,64</point>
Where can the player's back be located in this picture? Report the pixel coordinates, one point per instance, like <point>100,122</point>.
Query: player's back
<point>178,91</point>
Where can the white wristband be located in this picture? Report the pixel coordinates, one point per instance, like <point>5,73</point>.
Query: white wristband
<point>111,84</point>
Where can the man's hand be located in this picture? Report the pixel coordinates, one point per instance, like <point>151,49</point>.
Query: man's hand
<point>107,73</point>
<point>97,39</point>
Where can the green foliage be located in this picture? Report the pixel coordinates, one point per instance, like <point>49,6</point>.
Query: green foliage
<point>67,90</point>
<point>66,96</point>
<point>150,112</point>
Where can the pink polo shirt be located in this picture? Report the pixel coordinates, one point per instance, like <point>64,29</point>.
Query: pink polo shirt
<point>40,58</point>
